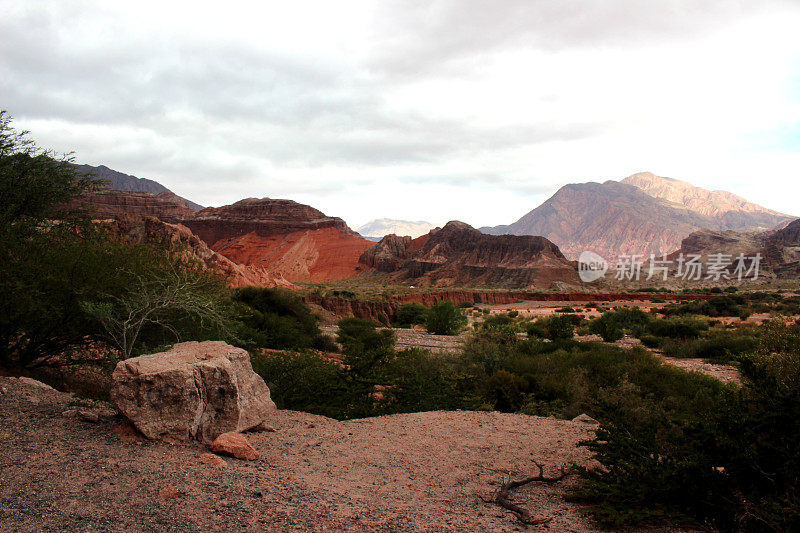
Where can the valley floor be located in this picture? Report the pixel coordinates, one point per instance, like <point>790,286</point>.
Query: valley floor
<point>413,472</point>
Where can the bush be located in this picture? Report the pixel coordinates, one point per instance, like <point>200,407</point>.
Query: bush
<point>612,325</point>
<point>410,314</point>
<point>734,465</point>
<point>559,327</point>
<point>275,318</point>
<point>677,328</point>
<point>444,318</point>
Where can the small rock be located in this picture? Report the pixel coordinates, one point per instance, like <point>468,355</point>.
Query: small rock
<point>106,413</point>
<point>234,444</point>
<point>89,416</point>
<point>585,419</point>
<point>263,427</point>
<point>128,434</point>
<point>169,493</point>
<point>311,425</point>
<point>35,383</point>
<point>69,413</point>
<point>3,390</point>
<point>213,460</point>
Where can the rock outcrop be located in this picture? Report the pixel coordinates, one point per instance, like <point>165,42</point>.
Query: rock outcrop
<point>779,248</point>
<point>151,229</point>
<point>195,391</point>
<point>108,203</point>
<point>288,239</point>
<point>644,214</point>
<point>458,255</point>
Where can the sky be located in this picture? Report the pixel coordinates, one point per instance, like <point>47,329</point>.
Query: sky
<point>469,110</point>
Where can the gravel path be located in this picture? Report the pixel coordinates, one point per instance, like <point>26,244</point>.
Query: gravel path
<point>414,472</point>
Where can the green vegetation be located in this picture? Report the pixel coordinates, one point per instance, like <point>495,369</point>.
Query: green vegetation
<point>411,314</point>
<point>445,318</point>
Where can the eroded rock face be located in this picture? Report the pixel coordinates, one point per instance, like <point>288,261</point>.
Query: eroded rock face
<point>458,255</point>
<point>195,391</point>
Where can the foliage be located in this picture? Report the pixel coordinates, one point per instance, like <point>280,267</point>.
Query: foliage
<point>733,466</point>
<point>612,325</point>
<point>445,318</point>
<point>277,318</point>
<point>411,314</point>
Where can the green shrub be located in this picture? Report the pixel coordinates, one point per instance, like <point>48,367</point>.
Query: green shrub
<point>677,328</point>
<point>410,314</point>
<point>275,318</point>
<point>444,318</point>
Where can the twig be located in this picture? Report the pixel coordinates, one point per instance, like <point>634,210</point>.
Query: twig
<point>502,496</point>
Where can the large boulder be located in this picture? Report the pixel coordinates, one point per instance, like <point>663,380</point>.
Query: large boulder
<point>195,391</point>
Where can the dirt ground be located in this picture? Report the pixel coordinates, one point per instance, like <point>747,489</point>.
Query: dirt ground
<point>415,472</point>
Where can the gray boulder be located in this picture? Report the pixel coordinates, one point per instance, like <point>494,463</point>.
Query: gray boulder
<point>195,391</point>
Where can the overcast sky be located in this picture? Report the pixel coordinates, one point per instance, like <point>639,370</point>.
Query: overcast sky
<point>471,110</point>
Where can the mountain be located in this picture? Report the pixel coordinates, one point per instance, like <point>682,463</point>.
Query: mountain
<point>779,248</point>
<point>108,203</point>
<point>731,211</point>
<point>286,238</point>
<point>125,182</point>
<point>459,255</point>
<point>643,214</point>
<point>379,228</point>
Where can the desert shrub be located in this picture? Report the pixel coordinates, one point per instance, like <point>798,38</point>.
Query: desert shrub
<point>410,314</point>
<point>612,325</point>
<point>275,318</point>
<point>536,329</point>
<point>466,305</point>
<point>652,341</point>
<point>558,327</point>
<point>324,343</point>
<point>565,310</point>
<point>732,466</point>
<point>366,349</point>
<point>306,382</point>
<point>677,328</point>
<point>728,305</point>
<point>444,318</point>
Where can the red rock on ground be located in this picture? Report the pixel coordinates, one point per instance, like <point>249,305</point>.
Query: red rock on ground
<point>213,460</point>
<point>169,493</point>
<point>234,444</point>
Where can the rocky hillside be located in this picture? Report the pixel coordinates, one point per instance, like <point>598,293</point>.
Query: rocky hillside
<point>108,203</point>
<point>288,239</point>
<point>779,249</point>
<point>643,214</point>
<point>151,229</point>
<point>120,181</point>
<point>459,255</point>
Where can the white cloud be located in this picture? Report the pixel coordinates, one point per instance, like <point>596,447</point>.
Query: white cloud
<point>435,110</point>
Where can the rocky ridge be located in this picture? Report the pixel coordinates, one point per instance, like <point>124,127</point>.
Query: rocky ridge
<point>458,255</point>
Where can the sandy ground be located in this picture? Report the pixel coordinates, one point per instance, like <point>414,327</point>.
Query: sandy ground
<point>415,472</point>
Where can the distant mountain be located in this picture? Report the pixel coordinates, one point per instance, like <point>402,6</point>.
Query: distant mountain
<point>376,229</point>
<point>459,255</point>
<point>643,214</point>
<point>125,182</point>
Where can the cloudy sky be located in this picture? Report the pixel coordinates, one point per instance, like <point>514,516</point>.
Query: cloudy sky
<point>472,110</point>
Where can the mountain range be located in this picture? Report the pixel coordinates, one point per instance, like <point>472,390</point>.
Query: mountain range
<point>280,242</point>
<point>381,227</point>
<point>641,214</point>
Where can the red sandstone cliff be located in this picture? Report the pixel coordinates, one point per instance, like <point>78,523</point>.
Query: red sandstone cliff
<point>150,229</point>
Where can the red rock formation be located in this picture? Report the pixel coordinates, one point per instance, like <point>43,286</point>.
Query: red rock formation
<point>288,239</point>
<point>461,255</point>
<point>151,229</point>
<point>107,203</point>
